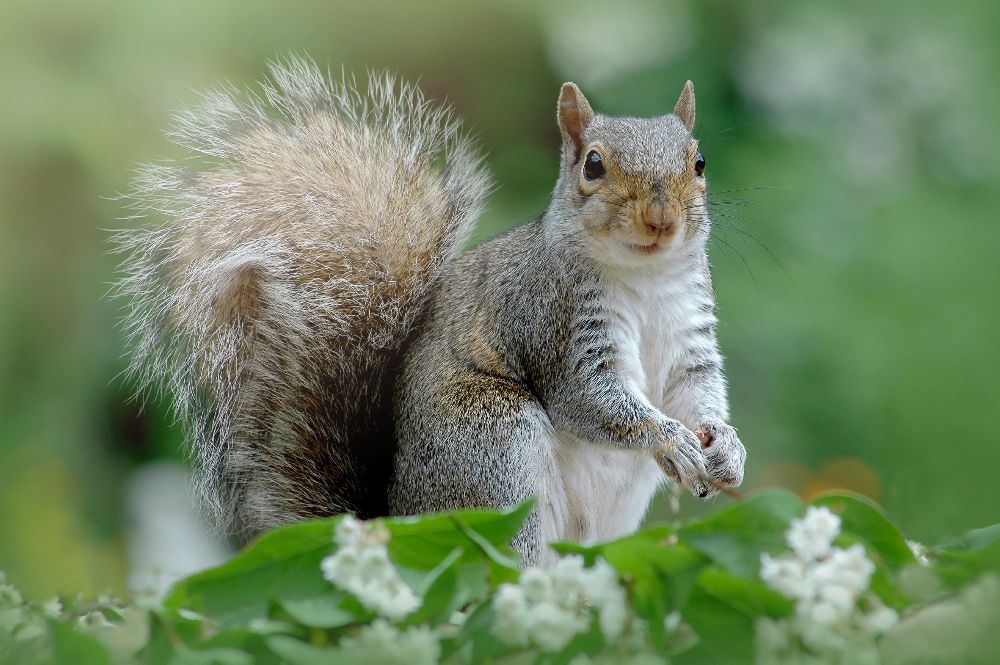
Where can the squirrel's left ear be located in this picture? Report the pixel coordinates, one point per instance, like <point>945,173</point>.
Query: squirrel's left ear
<point>574,115</point>
<point>684,109</point>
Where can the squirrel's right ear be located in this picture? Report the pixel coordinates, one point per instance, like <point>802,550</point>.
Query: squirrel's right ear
<point>574,115</point>
<point>684,109</point>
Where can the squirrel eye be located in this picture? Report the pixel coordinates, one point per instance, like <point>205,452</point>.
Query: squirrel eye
<point>699,164</point>
<point>593,166</point>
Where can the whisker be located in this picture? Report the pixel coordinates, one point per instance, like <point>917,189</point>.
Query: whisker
<point>757,241</point>
<point>746,264</point>
<point>749,189</point>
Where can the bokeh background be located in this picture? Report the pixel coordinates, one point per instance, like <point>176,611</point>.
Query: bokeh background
<point>853,156</point>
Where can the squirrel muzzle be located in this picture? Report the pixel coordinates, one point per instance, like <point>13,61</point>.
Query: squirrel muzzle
<point>657,220</point>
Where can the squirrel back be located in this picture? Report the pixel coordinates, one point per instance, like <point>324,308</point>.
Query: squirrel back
<point>276,299</point>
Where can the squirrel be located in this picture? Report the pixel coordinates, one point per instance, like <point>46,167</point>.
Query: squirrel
<point>331,347</point>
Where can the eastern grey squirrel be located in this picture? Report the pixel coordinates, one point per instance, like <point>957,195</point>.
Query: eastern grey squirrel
<point>331,348</point>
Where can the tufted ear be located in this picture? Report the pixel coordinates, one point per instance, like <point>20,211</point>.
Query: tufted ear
<point>574,115</point>
<point>684,109</point>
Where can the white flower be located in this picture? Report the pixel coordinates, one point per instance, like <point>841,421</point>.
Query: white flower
<point>879,619</point>
<point>614,618</point>
<point>817,612</point>
<point>566,578</point>
<point>553,627</point>
<point>826,583</point>
<point>811,536</point>
<point>635,639</point>
<point>10,620</point>
<point>848,568</point>
<point>52,608</point>
<point>549,608</point>
<point>815,628</point>
<point>772,637</point>
<point>672,622</point>
<point>381,643</point>
<point>787,575</point>
<point>840,599</point>
<point>349,530</point>
<point>512,618</point>
<point>361,566</point>
<point>536,584</point>
<point>608,597</point>
<point>919,551</point>
<point>92,622</point>
<point>9,595</point>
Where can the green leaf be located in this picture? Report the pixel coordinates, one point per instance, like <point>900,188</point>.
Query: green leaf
<point>735,537</point>
<point>959,567</point>
<point>74,648</point>
<point>749,597</point>
<point>159,647</point>
<point>660,578</point>
<point>725,634</point>
<point>722,611</point>
<point>185,655</point>
<point>264,627</point>
<point>490,550</point>
<point>282,564</point>
<point>972,540</point>
<point>863,518</point>
<point>884,586</point>
<point>658,533</point>
<point>960,560</point>
<point>234,646</point>
<point>298,652</point>
<point>439,590</point>
<point>319,612</point>
<point>476,642</point>
<point>588,552</point>
<point>422,543</point>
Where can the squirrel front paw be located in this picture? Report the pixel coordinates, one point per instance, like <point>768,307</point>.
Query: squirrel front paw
<point>724,453</point>
<point>682,458</point>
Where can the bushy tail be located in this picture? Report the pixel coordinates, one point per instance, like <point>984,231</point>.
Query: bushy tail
<point>275,299</point>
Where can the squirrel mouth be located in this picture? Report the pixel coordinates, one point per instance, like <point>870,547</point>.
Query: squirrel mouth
<point>644,249</point>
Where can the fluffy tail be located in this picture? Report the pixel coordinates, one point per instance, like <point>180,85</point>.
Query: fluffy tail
<point>274,301</point>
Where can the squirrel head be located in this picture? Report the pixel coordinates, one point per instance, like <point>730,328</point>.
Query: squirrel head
<point>631,191</point>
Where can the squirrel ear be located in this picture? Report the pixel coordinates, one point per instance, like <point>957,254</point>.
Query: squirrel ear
<point>684,109</point>
<point>574,115</point>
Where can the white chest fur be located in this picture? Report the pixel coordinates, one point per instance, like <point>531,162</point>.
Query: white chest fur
<point>606,492</point>
<point>648,323</point>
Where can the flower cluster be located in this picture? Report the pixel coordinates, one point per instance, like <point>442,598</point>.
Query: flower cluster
<point>919,551</point>
<point>548,608</point>
<point>381,643</point>
<point>835,612</point>
<point>361,566</point>
<point>11,610</point>
<point>21,621</point>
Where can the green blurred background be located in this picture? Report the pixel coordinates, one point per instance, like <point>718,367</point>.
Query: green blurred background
<point>852,151</point>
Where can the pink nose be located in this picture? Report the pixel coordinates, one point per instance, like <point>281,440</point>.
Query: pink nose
<point>659,219</point>
<point>659,226</point>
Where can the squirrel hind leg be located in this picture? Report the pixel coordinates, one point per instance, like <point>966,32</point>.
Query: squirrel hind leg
<point>477,441</point>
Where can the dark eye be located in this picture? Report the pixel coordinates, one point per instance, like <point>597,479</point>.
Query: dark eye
<point>699,164</point>
<point>593,166</point>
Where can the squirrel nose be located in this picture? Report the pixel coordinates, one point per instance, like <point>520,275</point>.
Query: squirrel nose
<point>658,226</point>
<point>659,219</point>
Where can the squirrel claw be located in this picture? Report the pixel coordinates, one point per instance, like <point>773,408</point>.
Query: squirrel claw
<point>682,460</point>
<point>724,454</point>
